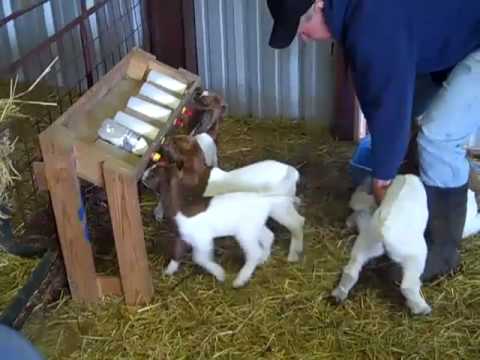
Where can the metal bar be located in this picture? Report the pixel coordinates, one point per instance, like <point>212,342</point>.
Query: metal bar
<point>54,38</point>
<point>19,13</point>
<point>85,45</point>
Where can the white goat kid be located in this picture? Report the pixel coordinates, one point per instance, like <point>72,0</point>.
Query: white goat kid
<point>396,227</point>
<point>362,201</point>
<point>268,177</point>
<point>242,215</point>
<point>472,218</point>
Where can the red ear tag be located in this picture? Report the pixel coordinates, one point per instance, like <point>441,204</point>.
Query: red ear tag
<point>187,112</point>
<point>178,122</point>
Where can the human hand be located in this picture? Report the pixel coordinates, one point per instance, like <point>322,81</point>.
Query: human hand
<point>379,188</point>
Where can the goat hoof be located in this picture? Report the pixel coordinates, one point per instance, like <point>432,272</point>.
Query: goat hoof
<point>339,295</point>
<point>158,213</point>
<point>172,268</point>
<point>238,283</point>
<point>264,258</point>
<point>220,275</point>
<point>420,309</point>
<point>293,257</point>
<point>350,223</point>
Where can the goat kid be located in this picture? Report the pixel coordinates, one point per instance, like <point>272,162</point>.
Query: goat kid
<point>266,177</point>
<point>195,154</point>
<point>397,228</point>
<point>208,152</point>
<point>241,215</point>
<point>362,200</point>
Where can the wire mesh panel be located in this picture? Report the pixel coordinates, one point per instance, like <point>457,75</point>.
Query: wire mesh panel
<point>88,36</point>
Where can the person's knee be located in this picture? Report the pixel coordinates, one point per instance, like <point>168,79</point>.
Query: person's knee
<point>442,161</point>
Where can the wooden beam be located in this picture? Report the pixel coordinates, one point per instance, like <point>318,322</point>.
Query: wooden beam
<point>70,215</point>
<point>172,32</point>
<point>346,113</point>
<point>39,176</point>
<point>190,36</point>
<point>124,205</point>
<point>109,286</point>
<point>166,29</point>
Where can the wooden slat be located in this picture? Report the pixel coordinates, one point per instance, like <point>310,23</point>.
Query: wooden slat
<point>345,104</point>
<point>39,176</point>
<point>109,286</point>
<point>165,17</point>
<point>90,98</point>
<point>137,68</point>
<point>70,215</point>
<point>191,62</point>
<point>140,167</point>
<point>124,205</point>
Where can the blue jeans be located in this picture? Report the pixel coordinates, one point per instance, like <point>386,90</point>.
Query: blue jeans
<point>13,346</point>
<point>450,119</point>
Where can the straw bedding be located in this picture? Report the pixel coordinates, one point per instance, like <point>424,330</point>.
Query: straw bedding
<point>284,312</point>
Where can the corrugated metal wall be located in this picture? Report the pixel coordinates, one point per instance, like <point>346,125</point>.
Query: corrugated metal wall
<point>234,59</point>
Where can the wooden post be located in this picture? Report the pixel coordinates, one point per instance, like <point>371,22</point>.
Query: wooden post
<point>177,19</point>
<point>124,205</point>
<point>109,286</point>
<point>39,177</point>
<point>346,109</point>
<point>70,215</point>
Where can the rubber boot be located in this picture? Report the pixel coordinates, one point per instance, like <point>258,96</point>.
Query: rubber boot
<point>447,211</point>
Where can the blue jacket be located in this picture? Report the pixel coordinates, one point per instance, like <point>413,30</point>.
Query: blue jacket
<point>389,43</point>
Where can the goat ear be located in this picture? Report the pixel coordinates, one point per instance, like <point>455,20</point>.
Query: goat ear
<point>213,131</point>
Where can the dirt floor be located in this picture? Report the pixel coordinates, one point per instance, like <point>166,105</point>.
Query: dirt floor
<point>284,312</point>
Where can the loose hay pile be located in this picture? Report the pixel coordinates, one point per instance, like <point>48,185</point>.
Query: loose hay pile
<point>8,174</point>
<point>14,272</point>
<point>284,312</point>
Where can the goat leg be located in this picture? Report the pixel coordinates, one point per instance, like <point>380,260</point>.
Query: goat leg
<point>288,216</point>
<point>266,241</point>
<point>158,212</point>
<point>203,258</point>
<point>363,250</point>
<point>253,256</point>
<point>179,249</point>
<point>411,284</point>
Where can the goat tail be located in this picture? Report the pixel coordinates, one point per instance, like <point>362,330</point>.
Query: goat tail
<point>294,200</point>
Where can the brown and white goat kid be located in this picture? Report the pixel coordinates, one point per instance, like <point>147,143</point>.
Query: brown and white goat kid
<point>243,215</point>
<point>266,177</point>
<point>207,152</point>
<point>198,158</point>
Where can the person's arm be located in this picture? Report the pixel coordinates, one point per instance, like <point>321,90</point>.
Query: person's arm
<point>379,188</point>
<point>382,51</point>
